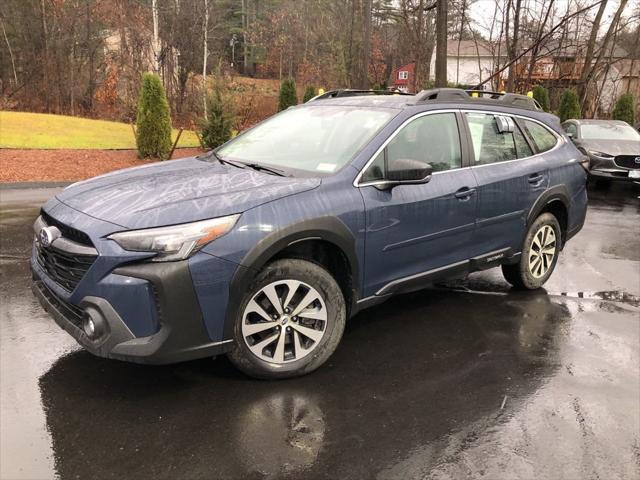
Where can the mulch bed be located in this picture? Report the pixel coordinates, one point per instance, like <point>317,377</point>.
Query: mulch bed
<point>61,165</point>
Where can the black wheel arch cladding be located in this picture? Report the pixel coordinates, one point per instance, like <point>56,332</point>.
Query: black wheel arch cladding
<point>559,193</point>
<point>327,229</point>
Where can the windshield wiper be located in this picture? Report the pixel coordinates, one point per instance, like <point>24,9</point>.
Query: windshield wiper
<point>257,166</point>
<point>215,155</point>
<point>254,166</point>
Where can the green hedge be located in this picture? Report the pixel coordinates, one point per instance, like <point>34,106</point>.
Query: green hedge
<point>288,96</point>
<point>569,105</point>
<point>153,122</point>
<point>624,109</point>
<point>217,127</point>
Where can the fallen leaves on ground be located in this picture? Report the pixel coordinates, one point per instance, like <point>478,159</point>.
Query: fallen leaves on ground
<point>69,165</point>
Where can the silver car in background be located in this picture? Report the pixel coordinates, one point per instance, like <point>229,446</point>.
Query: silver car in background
<point>613,147</point>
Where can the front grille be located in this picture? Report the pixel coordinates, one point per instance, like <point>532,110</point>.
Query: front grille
<point>64,268</point>
<point>628,161</point>
<point>69,311</point>
<point>68,232</point>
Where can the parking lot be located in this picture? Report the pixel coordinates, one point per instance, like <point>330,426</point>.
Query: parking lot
<point>467,379</point>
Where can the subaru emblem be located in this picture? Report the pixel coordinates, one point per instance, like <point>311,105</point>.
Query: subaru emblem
<point>47,235</point>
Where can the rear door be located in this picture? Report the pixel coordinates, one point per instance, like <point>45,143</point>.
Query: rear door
<point>510,178</point>
<point>414,229</point>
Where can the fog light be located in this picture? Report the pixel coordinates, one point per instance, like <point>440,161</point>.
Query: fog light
<point>89,327</point>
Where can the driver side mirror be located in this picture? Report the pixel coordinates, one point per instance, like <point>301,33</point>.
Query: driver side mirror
<point>406,170</point>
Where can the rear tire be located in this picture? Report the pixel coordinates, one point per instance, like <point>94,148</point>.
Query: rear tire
<point>290,321</point>
<point>540,251</point>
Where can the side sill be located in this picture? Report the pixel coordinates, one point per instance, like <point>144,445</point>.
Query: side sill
<point>425,279</point>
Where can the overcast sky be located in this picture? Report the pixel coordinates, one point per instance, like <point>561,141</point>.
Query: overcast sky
<point>482,11</point>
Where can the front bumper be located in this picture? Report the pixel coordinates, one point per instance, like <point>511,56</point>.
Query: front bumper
<point>614,174</point>
<point>608,169</point>
<point>181,334</point>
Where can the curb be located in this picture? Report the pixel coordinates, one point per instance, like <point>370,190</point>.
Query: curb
<point>16,185</point>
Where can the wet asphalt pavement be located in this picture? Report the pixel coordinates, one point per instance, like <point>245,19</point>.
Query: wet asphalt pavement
<point>467,380</point>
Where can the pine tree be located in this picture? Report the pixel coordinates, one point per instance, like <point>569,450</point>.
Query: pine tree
<point>624,109</point>
<point>288,96</point>
<point>309,93</point>
<point>153,122</point>
<point>542,96</point>
<point>217,127</point>
<point>569,105</point>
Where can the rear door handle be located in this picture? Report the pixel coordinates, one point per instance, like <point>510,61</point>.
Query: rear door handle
<point>464,193</point>
<point>536,178</point>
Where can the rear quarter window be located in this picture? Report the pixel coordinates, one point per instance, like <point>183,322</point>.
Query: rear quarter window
<point>542,138</point>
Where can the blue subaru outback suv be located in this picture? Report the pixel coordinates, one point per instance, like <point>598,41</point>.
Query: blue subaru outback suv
<point>263,248</point>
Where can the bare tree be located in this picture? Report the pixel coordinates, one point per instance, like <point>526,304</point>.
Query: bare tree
<point>441,44</point>
<point>588,57</point>
<point>13,63</point>
<point>562,23</point>
<point>460,32</point>
<point>155,45</point>
<point>205,48</point>
<point>45,41</point>
<point>512,45</point>
<point>605,41</point>
<point>537,43</point>
<point>366,44</point>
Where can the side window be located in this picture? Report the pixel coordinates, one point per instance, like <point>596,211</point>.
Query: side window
<point>571,128</point>
<point>489,145</point>
<point>542,138</point>
<point>375,171</point>
<point>432,139</point>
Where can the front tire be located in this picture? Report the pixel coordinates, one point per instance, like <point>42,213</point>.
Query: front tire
<point>539,256</point>
<point>290,321</point>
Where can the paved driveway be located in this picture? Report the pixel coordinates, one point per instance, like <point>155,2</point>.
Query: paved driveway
<point>465,380</point>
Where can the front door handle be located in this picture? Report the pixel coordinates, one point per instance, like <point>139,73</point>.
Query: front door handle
<point>465,193</point>
<point>536,179</point>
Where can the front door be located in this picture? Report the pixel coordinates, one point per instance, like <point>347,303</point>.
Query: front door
<point>413,229</point>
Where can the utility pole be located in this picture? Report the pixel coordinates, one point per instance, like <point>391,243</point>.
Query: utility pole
<point>441,44</point>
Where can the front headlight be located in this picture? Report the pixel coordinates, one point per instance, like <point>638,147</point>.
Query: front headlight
<point>176,242</point>
<point>602,155</point>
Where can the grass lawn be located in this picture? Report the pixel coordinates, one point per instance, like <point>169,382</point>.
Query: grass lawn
<point>37,130</point>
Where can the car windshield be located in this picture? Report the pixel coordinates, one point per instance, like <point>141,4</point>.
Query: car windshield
<point>319,139</point>
<point>608,131</point>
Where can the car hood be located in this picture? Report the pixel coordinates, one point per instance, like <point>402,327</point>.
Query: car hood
<point>177,191</point>
<point>612,147</point>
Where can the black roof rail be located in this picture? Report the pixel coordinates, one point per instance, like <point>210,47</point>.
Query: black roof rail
<point>486,93</point>
<point>351,92</point>
<point>485,97</point>
<point>441,94</point>
<point>513,99</point>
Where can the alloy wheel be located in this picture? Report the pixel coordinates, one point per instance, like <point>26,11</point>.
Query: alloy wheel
<point>284,321</point>
<point>542,251</point>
